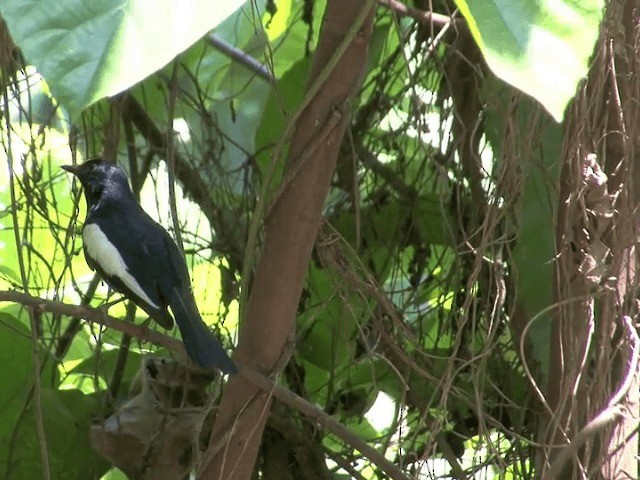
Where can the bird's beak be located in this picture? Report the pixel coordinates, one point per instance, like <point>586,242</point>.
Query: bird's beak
<point>70,168</point>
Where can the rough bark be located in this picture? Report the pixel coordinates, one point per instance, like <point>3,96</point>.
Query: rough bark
<point>593,387</point>
<point>290,231</point>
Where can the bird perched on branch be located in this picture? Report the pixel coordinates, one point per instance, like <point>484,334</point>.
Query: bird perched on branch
<point>137,257</point>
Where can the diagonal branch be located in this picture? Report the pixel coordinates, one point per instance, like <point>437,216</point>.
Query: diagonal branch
<point>96,315</point>
<point>313,413</point>
<point>291,228</point>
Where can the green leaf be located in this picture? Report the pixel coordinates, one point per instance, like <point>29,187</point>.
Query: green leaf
<point>15,361</point>
<point>540,47</point>
<point>534,250</point>
<point>329,326</point>
<point>10,274</point>
<point>90,50</point>
<point>66,414</point>
<point>114,474</point>
<point>281,105</point>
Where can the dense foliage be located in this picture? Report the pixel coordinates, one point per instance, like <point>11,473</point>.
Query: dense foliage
<point>424,323</point>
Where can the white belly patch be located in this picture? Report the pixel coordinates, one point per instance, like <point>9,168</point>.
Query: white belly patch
<point>102,251</point>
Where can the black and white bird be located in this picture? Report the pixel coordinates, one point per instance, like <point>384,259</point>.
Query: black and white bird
<point>137,257</point>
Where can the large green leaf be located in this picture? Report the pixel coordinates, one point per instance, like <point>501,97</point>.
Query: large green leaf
<point>329,325</point>
<point>278,111</point>
<point>541,47</point>
<point>89,50</point>
<point>66,414</point>
<point>534,250</point>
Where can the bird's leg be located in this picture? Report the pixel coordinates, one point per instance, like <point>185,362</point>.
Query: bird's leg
<point>108,304</point>
<point>145,324</point>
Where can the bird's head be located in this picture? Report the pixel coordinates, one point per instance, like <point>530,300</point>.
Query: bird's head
<point>99,178</point>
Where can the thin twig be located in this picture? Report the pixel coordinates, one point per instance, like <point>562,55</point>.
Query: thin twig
<point>421,16</point>
<point>123,356</point>
<point>33,317</point>
<point>332,123</point>
<point>237,55</point>
<point>170,158</point>
<point>94,315</point>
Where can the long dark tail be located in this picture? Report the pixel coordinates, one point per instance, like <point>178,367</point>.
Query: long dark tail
<point>202,346</point>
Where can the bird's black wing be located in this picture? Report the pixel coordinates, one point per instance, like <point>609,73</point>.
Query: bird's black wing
<point>201,345</point>
<point>155,262</point>
<point>140,242</point>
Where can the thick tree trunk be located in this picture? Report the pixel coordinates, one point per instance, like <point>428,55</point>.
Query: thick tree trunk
<point>290,231</point>
<point>592,387</point>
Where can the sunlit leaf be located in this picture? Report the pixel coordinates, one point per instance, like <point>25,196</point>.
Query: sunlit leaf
<point>89,50</point>
<point>541,47</point>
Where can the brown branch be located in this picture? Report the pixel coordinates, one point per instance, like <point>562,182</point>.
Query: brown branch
<point>96,315</point>
<point>290,231</point>
<point>319,417</point>
<point>421,16</point>
<point>309,410</point>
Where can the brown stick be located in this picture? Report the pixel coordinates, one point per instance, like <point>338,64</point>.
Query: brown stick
<point>319,417</point>
<point>312,412</point>
<point>290,232</point>
<point>93,315</point>
<point>421,16</point>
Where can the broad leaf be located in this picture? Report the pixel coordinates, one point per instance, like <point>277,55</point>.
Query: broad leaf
<point>534,250</point>
<point>90,50</point>
<point>540,47</point>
